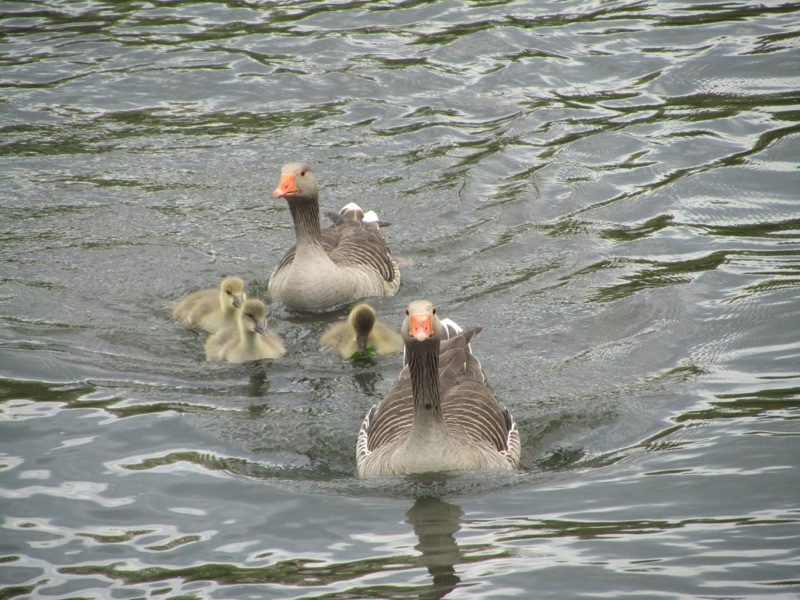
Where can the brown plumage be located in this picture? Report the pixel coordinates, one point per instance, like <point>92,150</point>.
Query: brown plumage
<point>440,414</point>
<point>328,267</point>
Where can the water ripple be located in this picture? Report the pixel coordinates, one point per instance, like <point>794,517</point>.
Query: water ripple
<point>609,188</point>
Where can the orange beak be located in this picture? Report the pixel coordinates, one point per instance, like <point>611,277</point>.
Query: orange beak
<point>421,328</point>
<point>287,186</point>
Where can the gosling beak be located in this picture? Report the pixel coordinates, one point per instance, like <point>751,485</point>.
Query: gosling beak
<point>261,327</point>
<point>238,300</point>
<point>361,342</point>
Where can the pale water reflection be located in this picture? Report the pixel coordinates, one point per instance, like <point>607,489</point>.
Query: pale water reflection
<point>435,524</point>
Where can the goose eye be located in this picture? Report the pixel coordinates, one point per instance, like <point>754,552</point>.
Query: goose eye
<point>406,312</point>
<point>434,311</point>
<point>302,173</point>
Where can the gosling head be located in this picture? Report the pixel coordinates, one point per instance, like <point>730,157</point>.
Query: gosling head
<point>362,320</point>
<point>231,292</point>
<point>254,317</point>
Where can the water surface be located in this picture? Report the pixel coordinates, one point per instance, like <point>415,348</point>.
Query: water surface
<point>609,188</point>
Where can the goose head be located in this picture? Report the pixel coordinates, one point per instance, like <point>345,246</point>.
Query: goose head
<point>297,183</point>
<point>231,292</point>
<point>362,320</point>
<point>254,317</point>
<point>421,325</point>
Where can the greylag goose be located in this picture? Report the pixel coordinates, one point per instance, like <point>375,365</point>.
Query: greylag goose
<point>212,309</point>
<point>328,267</point>
<point>360,332</point>
<point>247,340</point>
<point>440,414</point>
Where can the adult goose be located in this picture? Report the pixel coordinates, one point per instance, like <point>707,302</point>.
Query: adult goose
<point>440,414</point>
<point>247,340</point>
<point>212,309</point>
<point>361,331</point>
<point>328,267</point>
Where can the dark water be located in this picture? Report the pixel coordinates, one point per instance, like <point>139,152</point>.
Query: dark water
<point>611,189</point>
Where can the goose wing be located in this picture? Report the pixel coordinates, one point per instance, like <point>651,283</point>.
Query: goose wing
<point>364,248</point>
<point>330,239</point>
<point>351,242</point>
<point>390,419</point>
<point>472,412</point>
<point>469,404</point>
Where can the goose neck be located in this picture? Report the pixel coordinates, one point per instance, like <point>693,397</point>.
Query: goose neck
<point>305,216</point>
<point>424,369</point>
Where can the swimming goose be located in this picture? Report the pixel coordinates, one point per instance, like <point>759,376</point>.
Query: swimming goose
<point>212,309</point>
<point>328,267</point>
<point>440,414</point>
<point>360,331</point>
<point>247,340</point>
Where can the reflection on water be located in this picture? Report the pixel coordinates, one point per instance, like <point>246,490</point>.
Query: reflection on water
<point>435,524</point>
<point>258,385</point>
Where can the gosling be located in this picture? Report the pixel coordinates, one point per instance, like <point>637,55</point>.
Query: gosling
<point>247,340</point>
<point>361,331</point>
<point>212,309</point>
